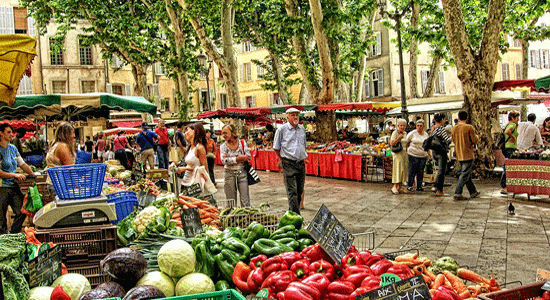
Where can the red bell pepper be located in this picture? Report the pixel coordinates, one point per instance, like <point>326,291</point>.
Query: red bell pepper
<point>273,264</point>
<point>371,283</point>
<point>351,259</point>
<point>367,258</point>
<point>402,271</point>
<point>257,261</point>
<point>281,296</point>
<point>291,257</point>
<point>318,281</point>
<point>301,291</point>
<point>445,293</point>
<point>338,271</point>
<point>356,274</point>
<point>357,292</point>
<point>352,249</point>
<point>300,268</point>
<point>339,290</point>
<point>59,294</point>
<point>240,277</point>
<point>279,281</point>
<point>315,253</point>
<point>323,267</point>
<point>381,267</point>
<point>255,280</point>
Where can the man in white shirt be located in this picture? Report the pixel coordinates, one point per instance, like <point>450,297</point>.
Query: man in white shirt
<point>528,133</point>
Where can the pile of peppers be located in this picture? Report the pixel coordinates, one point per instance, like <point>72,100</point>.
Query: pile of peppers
<point>312,275</point>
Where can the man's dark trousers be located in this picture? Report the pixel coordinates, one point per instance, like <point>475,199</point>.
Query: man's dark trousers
<point>295,176</point>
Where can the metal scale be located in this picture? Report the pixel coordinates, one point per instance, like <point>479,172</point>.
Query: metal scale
<point>65,213</point>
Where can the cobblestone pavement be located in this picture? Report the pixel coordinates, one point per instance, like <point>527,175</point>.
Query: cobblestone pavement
<point>479,233</point>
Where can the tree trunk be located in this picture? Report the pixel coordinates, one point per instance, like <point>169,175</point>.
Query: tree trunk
<point>140,78</point>
<point>360,83</point>
<point>434,73</point>
<point>325,122</point>
<point>413,50</point>
<point>279,77</point>
<point>525,59</point>
<point>303,97</point>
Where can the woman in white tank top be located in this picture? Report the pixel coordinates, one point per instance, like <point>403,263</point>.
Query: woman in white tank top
<point>196,156</point>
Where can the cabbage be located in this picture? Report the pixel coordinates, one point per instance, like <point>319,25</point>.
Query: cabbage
<point>40,293</point>
<point>194,283</point>
<point>75,285</point>
<point>159,280</point>
<point>176,258</point>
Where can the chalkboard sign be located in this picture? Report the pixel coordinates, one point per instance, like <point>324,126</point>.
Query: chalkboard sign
<point>331,235</point>
<point>191,222</point>
<point>413,288</point>
<point>145,199</point>
<point>546,286</point>
<point>192,191</point>
<point>45,268</point>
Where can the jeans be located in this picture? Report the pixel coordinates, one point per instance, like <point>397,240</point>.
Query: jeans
<point>236,179</point>
<point>120,155</point>
<point>442,160</point>
<point>507,152</point>
<point>11,196</point>
<point>162,155</point>
<point>210,162</point>
<point>465,177</point>
<point>416,169</point>
<point>294,173</point>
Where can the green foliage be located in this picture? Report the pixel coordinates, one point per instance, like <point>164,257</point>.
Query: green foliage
<point>186,107</point>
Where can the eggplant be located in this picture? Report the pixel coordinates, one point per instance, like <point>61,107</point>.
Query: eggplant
<point>124,264</point>
<point>104,291</point>
<point>144,292</point>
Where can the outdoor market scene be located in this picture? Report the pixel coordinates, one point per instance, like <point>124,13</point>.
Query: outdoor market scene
<point>278,150</point>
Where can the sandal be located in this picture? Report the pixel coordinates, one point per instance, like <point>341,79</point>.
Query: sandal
<point>394,191</point>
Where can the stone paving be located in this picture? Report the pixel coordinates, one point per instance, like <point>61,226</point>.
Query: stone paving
<point>478,233</point>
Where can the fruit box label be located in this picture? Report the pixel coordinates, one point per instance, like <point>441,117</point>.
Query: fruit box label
<point>413,288</point>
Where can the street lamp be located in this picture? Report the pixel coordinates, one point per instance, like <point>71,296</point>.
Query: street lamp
<point>203,59</point>
<point>397,18</point>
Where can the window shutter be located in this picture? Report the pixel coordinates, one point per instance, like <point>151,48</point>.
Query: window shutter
<point>380,82</point>
<point>441,82</point>
<point>271,99</point>
<point>379,43</point>
<point>367,88</point>
<point>518,72</point>
<point>127,89</point>
<point>109,88</point>
<point>241,68</point>
<point>424,75</point>
<point>156,92</point>
<point>25,86</point>
<point>537,59</point>
<point>531,59</point>
<point>31,26</point>
<point>254,101</point>
<point>249,72</point>
<point>7,25</point>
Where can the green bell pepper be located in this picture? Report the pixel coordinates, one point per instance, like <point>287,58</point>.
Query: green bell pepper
<point>270,247</point>
<point>226,261</point>
<point>236,246</point>
<point>305,242</point>
<point>235,232</point>
<point>288,231</point>
<point>197,239</point>
<point>222,285</point>
<point>291,218</point>
<point>206,263</point>
<point>303,234</point>
<point>253,232</point>
<point>292,243</point>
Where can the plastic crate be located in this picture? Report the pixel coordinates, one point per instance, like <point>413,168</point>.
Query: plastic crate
<point>226,203</point>
<point>393,255</point>
<point>270,219</point>
<point>525,292</point>
<point>35,160</point>
<point>125,202</point>
<point>364,241</point>
<point>81,244</point>
<point>83,157</point>
<point>220,295</point>
<point>92,271</point>
<point>78,181</point>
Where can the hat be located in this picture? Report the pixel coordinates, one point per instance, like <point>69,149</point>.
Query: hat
<point>291,110</point>
<point>144,125</point>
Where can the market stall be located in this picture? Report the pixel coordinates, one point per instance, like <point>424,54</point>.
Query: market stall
<point>528,172</point>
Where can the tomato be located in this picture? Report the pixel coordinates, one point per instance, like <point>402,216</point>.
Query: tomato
<point>546,295</point>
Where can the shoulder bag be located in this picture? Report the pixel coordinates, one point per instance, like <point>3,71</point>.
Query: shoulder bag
<point>398,147</point>
<point>251,174</point>
<point>148,138</point>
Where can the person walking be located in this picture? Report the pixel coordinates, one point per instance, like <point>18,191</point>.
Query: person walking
<point>234,153</point>
<point>545,131</point>
<point>10,192</point>
<point>417,156</point>
<point>120,144</point>
<point>145,142</point>
<point>62,152</point>
<point>89,145</point>
<point>101,146</point>
<point>196,156</point>
<point>163,149</point>
<point>290,146</point>
<point>400,159</point>
<point>465,139</point>
<point>210,155</point>
<point>440,132</point>
<point>528,133</point>
<point>511,137</point>
<point>179,138</point>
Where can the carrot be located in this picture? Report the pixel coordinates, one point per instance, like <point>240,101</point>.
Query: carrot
<point>426,279</point>
<point>206,220</point>
<point>429,274</point>
<point>439,281</point>
<point>176,216</point>
<point>493,283</point>
<point>476,290</point>
<point>432,291</point>
<point>187,198</point>
<point>418,270</point>
<point>466,294</point>
<point>471,276</point>
<point>456,283</point>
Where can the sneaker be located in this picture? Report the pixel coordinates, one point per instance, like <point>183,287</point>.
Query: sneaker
<point>503,191</point>
<point>475,195</point>
<point>420,189</point>
<point>434,189</point>
<point>459,197</point>
<point>410,189</point>
<point>440,194</point>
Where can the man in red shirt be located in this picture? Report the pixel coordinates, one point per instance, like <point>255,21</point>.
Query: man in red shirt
<point>163,149</point>
<point>100,147</point>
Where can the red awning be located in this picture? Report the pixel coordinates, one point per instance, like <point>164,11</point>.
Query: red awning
<point>507,85</point>
<point>245,111</point>
<point>380,107</point>
<point>219,113</point>
<point>15,124</point>
<point>124,124</point>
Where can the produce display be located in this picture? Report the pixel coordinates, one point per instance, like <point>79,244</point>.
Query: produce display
<point>534,153</point>
<point>145,185</point>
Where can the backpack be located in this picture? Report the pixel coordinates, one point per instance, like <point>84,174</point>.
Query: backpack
<point>501,143</point>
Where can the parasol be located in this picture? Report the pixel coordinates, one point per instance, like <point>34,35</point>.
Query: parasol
<point>16,53</point>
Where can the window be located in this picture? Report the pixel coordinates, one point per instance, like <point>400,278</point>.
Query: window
<point>532,58</point>
<point>517,43</point>
<point>275,99</point>
<point>377,83</point>
<point>250,101</point>
<point>204,100</point>
<point>376,49</point>
<point>159,69</point>
<point>25,86</point>
<point>246,72</point>
<point>87,86</point>
<point>441,82</point>
<point>544,54</point>
<point>117,89</point>
<point>505,71</point>
<point>223,101</point>
<point>425,75</point>
<point>7,25</point>
<point>116,62</point>
<point>59,87</point>
<point>247,47</point>
<point>260,71</point>
<point>55,58</point>
<point>85,54</point>
<point>519,72</point>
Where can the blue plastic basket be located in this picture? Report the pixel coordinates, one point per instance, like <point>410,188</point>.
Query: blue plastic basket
<point>124,203</point>
<point>78,181</point>
<point>35,160</point>
<point>83,157</point>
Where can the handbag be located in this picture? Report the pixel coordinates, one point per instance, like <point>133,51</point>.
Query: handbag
<point>251,174</point>
<point>201,177</point>
<point>398,147</point>
<point>210,154</point>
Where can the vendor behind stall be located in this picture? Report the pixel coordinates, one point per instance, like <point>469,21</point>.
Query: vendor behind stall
<point>62,152</point>
<point>10,193</point>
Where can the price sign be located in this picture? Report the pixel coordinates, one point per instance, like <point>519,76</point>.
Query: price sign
<point>191,222</point>
<point>44,269</point>
<point>388,278</point>
<point>192,191</point>
<point>331,235</point>
<point>413,288</point>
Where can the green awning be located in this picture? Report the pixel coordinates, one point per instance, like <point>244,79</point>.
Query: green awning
<point>543,84</point>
